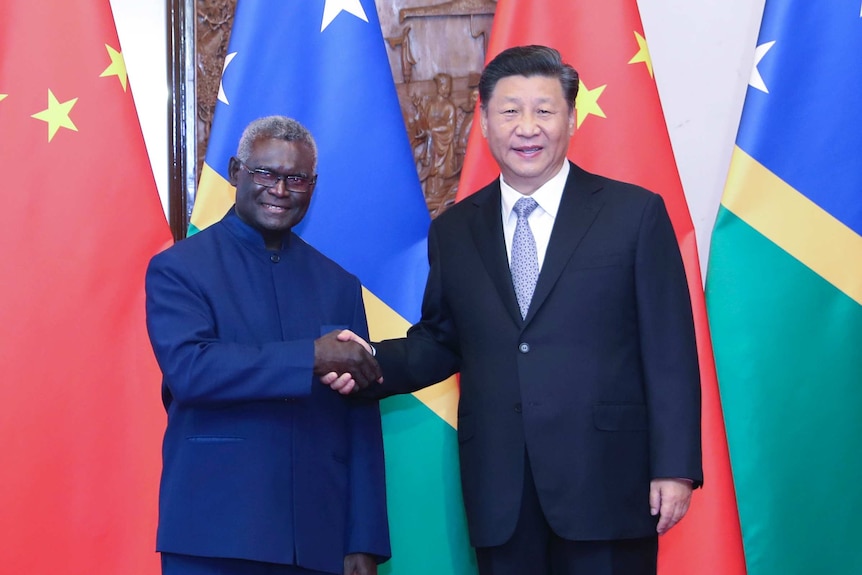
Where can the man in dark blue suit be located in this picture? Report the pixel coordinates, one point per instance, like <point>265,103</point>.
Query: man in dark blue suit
<point>265,468</point>
<point>560,296</point>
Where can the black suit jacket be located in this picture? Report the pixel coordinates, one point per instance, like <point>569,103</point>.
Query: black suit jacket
<point>600,382</point>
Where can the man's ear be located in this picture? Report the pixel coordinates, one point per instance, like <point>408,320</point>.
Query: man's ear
<point>232,170</point>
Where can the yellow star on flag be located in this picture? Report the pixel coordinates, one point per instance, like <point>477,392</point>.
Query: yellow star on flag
<point>57,115</point>
<point>587,102</point>
<point>643,54</point>
<point>117,67</point>
<point>3,97</point>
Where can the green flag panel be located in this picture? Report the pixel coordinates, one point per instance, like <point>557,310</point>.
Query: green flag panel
<point>790,373</point>
<point>422,471</point>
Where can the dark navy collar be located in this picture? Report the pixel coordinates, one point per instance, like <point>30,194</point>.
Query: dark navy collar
<point>249,235</point>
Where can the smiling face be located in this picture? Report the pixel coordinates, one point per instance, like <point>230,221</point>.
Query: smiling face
<point>272,211</point>
<point>528,123</point>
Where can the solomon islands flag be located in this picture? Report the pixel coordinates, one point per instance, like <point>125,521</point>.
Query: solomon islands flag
<point>324,63</point>
<point>784,293</point>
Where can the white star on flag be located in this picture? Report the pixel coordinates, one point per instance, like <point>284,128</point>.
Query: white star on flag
<point>756,80</point>
<point>333,8</point>
<point>222,97</point>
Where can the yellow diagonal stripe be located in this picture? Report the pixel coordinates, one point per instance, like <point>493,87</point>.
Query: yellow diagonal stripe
<point>793,222</point>
<point>214,198</point>
<point>385,323</point>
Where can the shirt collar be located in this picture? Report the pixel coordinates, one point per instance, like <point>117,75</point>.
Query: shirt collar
<point>548,196</point>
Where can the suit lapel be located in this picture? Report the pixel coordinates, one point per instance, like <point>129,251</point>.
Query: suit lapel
<point>487,230</point>
<point>578,208</point>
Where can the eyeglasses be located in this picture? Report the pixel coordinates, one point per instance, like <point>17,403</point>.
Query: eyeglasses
<point>292,182</point>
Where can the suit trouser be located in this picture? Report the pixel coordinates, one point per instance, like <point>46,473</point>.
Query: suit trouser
<point>174,564</point>
<point>534,548</point>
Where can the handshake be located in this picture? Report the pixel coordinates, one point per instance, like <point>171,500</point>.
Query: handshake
<point>344,362</point>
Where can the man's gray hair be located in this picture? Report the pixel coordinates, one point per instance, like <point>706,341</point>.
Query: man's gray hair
<point>274,127</point>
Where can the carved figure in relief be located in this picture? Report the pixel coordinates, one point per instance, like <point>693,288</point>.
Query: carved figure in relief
<point>440,157</point>
<point>467,111</point>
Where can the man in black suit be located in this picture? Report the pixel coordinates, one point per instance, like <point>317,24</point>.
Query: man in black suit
<point>571,326</point>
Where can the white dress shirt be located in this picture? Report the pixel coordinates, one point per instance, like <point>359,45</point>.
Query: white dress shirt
<point>541,219</point>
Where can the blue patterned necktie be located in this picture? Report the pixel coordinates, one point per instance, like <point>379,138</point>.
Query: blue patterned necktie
<point>525,262</point>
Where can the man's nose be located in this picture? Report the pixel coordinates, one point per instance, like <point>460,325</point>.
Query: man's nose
<point>280,188</point>
<point>527,125</point>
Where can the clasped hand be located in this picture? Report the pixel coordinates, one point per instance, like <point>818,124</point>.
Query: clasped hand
<point>343,361</point>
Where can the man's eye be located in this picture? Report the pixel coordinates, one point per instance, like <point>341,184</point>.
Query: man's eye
<point>265,176</point>
<point>295,179</point>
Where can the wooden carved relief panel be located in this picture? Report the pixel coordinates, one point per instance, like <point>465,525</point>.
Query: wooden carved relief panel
<point>436,52</point>
<point>213,21</point>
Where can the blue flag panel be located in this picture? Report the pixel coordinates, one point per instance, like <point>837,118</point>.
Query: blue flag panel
<point>814,85</point>
<point>293,58</point>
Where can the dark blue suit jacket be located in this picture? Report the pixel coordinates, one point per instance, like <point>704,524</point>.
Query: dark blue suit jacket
<point>600,382</point>
<point>261,460</point>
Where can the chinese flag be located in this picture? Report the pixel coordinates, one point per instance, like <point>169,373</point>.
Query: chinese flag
<point>80,412</point>
<point>621,133</point>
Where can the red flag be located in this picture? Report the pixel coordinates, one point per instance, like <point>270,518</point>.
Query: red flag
<point>621,133</point>
<point>80,412</point>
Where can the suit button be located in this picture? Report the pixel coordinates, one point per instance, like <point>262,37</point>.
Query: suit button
<point>275,258</point>
<point>524,348</point>
<point>518,407</point>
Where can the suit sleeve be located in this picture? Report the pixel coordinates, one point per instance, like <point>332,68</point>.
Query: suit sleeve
<point>201,367</point>
<point>668,349</point>
<point>367,525</point>
<point>429,353</point>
